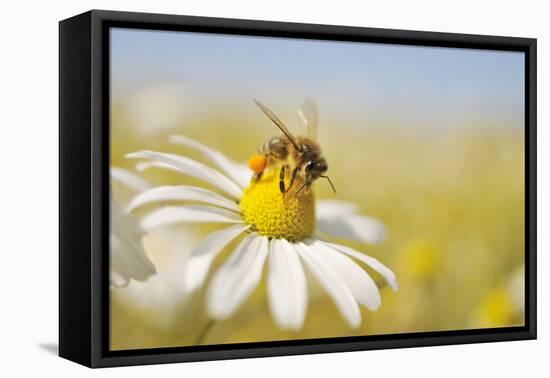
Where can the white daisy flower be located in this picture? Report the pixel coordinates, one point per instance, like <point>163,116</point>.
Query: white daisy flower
<point>128,259</point>
<point>281,232</point>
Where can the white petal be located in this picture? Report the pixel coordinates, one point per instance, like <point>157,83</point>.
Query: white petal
<point>329,208</point>
<point>384,271</point>
<point>116,280</point>
<point>332,283</point>
<point>339,219</point>
<point>238,172</point>
<point>181,193</point>
<point>206,252</point>
<point>128,259</point>
<point>188,214</point>
<point>130,179</point>
<point>192,168</point>
<point>357,280</point>
<point>144,165</point>
<point>237,277</point>
<point>354,227</point>
<point>286,285</point>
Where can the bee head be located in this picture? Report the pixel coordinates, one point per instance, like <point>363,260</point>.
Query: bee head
<point>315,168</point>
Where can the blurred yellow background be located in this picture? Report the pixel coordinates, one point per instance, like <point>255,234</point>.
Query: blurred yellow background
<point>453,206</point>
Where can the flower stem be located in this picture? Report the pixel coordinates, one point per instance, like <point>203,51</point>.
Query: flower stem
<point>204,332</point>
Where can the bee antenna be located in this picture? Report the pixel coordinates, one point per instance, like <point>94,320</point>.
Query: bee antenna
<point>330,182</point>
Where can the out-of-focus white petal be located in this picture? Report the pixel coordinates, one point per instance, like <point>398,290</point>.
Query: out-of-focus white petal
<point>156,108</point>
<point>332,208</point>
<point>383,270</point>
<point>188,214</point>
<point>145,165</point>
<point>332,283</point>
<point>516,289</point>
<point>356,279</point>
<point>340,219</point>
<point>237,277</point>
<point>192,168</point>
<point>181,193</point>
<point>130,179</point>
<point>238,172</point>
<point>206,252</point>
<point>286,285</point>
<point>117,280</point>
<point>354,227</point>
<point>163,297</point>
<point>128,259</point>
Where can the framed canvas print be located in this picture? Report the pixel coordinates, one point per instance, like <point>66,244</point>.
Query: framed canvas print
<point>235,188</point>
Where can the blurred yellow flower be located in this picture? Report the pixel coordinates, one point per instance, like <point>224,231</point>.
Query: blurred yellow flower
<point>503,305</point>
<point>421,257</point>
<point>495,309</point>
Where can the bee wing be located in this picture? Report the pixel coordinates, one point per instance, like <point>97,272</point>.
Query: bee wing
<point>310,117</point>
<point>278,123</point>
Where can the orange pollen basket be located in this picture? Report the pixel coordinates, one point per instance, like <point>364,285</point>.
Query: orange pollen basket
<point>257,163</point>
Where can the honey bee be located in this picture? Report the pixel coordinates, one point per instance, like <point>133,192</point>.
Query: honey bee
<point>300,154</point>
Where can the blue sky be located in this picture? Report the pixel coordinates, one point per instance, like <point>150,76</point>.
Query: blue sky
<point>420,85</point>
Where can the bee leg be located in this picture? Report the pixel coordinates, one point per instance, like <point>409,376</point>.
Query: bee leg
<point>258,176</point>
<point>282,180</point>
<point>292,178</point>
<point>304,186</point>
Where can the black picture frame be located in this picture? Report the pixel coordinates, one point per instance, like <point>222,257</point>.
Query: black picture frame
<point>84,188</point>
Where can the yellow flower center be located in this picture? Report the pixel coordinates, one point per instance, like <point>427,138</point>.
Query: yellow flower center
<point>271,215</point>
